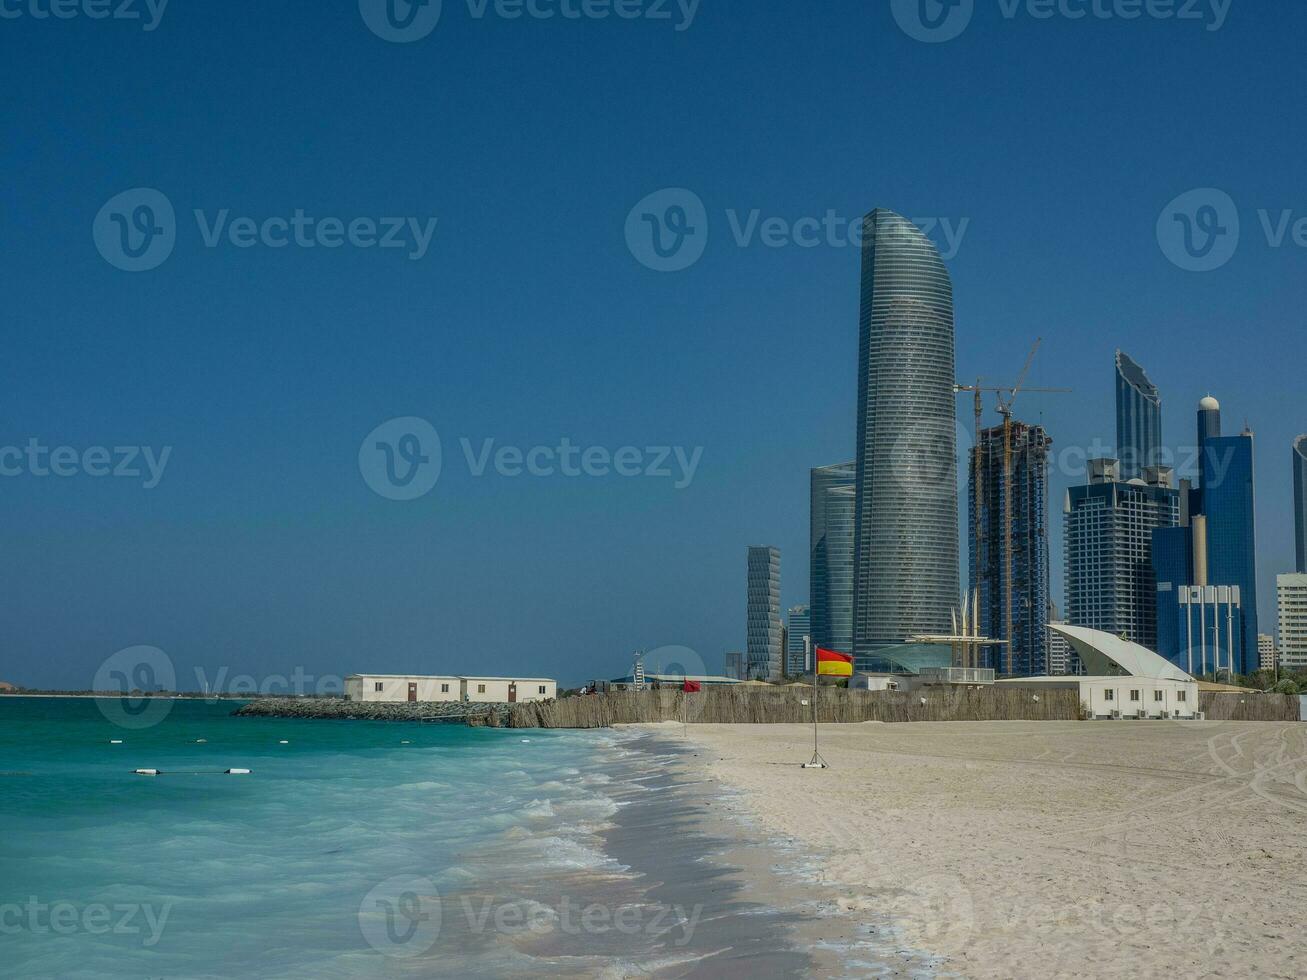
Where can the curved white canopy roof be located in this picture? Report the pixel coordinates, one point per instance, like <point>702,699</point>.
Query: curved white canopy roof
<point>1103,653</point>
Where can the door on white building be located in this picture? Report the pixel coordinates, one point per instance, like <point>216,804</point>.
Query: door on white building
<point>412,691</point>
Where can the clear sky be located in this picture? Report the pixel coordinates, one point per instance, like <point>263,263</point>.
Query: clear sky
<point>1059,142</point>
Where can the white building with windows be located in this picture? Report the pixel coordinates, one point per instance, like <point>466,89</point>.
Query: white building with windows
<point>400,687</point>
<point>1292,593</point>
<point>1121,679</point>
<point>481,690</point>
<point>1266,653</point>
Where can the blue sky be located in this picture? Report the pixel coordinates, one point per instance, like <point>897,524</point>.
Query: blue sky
<point>1057,141</point>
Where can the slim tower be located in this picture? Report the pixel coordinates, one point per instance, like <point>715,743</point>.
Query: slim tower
<point>1138,419</point>
<point>906,509</point>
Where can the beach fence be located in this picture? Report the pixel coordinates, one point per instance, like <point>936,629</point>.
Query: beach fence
<point>749,705</point>
<point>1251,706</point>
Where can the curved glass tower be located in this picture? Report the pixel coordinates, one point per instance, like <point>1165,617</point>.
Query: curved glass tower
<point>1138,419</point>
<point>1300,499</point>
<point>906,498</point>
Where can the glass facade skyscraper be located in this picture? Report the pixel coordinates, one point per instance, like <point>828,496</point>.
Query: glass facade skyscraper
<point>830,556</point>
<point>798,627</point>
<point>763,622</point>
<point>1012,585</point>
<point>1300,500</point>
<point>1229,505</point>
<point>1138,419</point>
<point>906,500</point>
<point>1109,525</point>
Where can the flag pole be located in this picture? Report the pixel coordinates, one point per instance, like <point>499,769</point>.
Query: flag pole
<point>817,761</point>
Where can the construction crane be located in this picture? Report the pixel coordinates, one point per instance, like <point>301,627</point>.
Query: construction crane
<point>1005,396</point>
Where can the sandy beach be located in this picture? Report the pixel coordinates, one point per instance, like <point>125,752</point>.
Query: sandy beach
<point>1009,849</point>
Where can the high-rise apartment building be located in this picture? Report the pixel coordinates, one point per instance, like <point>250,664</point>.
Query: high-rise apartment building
<point>763,621</point>
<point>797,631</point>
<point>1138,419</point>
<point>830,556</point>
<point>1291,590</point>
<point>1008,506</point>
<point>906,522</point>
<point>1266,652</point>
<point>1108,526</point>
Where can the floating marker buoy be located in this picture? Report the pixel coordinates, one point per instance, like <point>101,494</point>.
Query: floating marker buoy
<point>237,772</point>
<point>526,740</point>
<point>147,772</point>
<point>283,742</point>
<point>406,742</point>
<point>115,741</point>
<point>201,741</point>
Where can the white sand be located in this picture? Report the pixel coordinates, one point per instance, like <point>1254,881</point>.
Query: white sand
<point>1051,849</point>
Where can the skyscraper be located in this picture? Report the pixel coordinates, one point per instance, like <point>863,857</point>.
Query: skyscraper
<point>763,623</point>
<point>830,556</point>
<point>1300,500</point>
<point>1229,506</point>
<point>1012,585</point>
<point>1292,593</point>
<point>1138,419</point>
<point>1110,581</point>
<point>906,507</point>
<point>798,630</point>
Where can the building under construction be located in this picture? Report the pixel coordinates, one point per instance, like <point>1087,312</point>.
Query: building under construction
<point>1009,543</point>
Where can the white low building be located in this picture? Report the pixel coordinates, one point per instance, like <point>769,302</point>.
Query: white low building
<point>401,687</point>
<point>1122,679</point>
<point>416,688</point>
<point>508,689</point>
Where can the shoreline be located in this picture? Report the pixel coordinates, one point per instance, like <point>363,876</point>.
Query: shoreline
<point>1091,850</point>
<point>770,914</point>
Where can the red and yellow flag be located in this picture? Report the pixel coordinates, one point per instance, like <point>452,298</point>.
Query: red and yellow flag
<point>833,664</point>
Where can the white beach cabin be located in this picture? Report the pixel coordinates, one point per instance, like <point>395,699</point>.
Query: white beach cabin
<point>401,687</point>
<point>508,689</point>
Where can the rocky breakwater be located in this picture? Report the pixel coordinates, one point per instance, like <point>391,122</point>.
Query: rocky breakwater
<point>447,711</point>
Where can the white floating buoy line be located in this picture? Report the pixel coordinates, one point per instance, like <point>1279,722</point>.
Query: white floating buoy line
<point>190,772</point>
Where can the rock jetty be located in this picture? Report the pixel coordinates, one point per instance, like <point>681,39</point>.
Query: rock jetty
<point>447,711</point>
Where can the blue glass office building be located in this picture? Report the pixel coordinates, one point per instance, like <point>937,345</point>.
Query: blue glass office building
<point>763,616</point>
<point>1138,419</point>
<point>1229,504</point>
<point>830,557</point>
<point>906,577</point>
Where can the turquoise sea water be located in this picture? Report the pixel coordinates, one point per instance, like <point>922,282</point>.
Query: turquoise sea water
<point>345,853</point>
